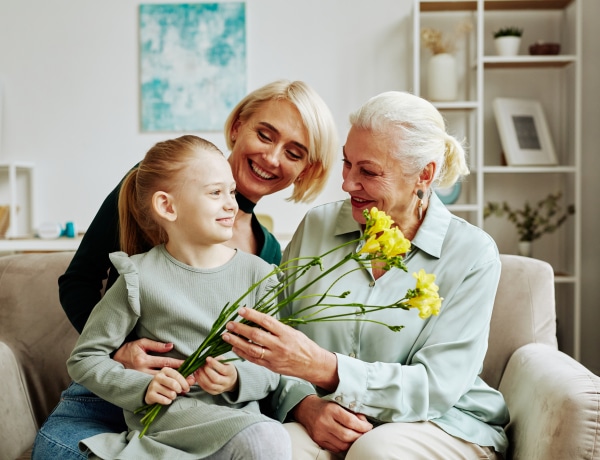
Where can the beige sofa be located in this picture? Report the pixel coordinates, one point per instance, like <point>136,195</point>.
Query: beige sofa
<point>554,401</point>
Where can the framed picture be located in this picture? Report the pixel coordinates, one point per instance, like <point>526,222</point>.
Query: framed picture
<point>524,132</point>
<point>192,64</point>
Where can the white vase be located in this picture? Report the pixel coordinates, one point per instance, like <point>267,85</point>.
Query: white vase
<point>525,248</point>
<point>441,78</point>
<point>507,46</point>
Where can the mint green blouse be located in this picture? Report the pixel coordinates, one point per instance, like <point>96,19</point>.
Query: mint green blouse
<point>430,369</point>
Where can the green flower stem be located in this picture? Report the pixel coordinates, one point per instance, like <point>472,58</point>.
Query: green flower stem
<point>299,291</point>
<point>356,320</point>
<point>343,316</point>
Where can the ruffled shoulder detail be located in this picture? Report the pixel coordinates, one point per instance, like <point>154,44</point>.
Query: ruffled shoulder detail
<point>129,272</point>
<point>277,277</point>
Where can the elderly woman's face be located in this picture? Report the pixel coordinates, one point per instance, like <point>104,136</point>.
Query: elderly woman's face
<point>373,178</point>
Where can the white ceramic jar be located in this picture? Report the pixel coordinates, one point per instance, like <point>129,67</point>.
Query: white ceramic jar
<point>442,81</point>
<point>507,45</point>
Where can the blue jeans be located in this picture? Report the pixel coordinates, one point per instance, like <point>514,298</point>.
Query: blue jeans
<point>78,415</point>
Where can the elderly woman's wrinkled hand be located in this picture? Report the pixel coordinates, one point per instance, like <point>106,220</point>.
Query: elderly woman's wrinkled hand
<point>330,425</point>
<point>281,348</point>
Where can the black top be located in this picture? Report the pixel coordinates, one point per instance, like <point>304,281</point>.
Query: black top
<point>82,285</point>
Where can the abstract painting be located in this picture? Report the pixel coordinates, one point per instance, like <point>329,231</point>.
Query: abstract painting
<point>192,64</point>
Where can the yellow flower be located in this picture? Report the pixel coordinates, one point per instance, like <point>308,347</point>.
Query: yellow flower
<point>371,246</point>
<point>393,243</point>
<point>426,298</point>
<point>377,221</point>
<point>425,281</point>
<point>382,239</point>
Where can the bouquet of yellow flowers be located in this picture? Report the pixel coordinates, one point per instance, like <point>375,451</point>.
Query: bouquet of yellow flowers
<point>381,242</point>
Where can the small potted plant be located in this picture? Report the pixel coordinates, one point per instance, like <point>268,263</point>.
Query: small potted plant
<point>532,221</point>
<point>507,40</point>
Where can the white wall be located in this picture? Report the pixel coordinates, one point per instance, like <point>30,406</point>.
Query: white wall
<point>70,75</point>
<point>69,69</point>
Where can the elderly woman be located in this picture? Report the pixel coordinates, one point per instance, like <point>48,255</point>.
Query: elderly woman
<point>357,389</point>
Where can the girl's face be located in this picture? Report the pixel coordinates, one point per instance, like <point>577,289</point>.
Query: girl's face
<point>373,177</point>
<point>205,201</point>
<point>270,150</point>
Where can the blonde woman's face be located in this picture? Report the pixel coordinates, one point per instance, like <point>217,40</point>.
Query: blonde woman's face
<point>270,150</point>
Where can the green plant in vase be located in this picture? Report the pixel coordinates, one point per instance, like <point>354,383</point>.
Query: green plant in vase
<point>508,32</point>
<point>507,40</point>
<point>532,221</point>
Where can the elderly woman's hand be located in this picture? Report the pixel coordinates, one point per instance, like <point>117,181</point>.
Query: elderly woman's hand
<point>282,349</point>
<point>330,425</point>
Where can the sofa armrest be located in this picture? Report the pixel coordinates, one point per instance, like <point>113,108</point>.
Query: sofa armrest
<point>554,405</point>
<point>17,423</point>
<point>34,325</point>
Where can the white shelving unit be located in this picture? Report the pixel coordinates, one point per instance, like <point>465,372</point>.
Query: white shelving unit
<point>553,80</point>
<point>17,180</point>
<point>17,189</point>
<point>9,246</point>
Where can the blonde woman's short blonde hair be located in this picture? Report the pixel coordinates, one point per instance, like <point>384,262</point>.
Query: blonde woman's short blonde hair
<point>318,121</point>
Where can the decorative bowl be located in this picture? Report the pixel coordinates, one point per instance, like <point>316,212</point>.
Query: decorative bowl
<point>544,48</point>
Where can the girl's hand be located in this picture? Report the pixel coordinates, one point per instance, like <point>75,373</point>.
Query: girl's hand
<point>134,355</point>
<point>216,377</point>
<point>165,386</point>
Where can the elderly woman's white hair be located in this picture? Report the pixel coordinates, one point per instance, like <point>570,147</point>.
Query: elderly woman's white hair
<point>420,132</point>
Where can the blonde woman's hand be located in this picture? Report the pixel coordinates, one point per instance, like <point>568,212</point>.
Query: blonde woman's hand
<point>134,355</point>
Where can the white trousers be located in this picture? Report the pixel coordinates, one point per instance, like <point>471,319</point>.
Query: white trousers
<point>406,441</point>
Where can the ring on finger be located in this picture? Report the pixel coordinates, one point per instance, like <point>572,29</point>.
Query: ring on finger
<point>262,353</point>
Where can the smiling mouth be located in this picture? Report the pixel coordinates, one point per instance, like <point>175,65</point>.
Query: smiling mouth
<point>261,172</point>
<point>359,201</point>
<point>228,221</point>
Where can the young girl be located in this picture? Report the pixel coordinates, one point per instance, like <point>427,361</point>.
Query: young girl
<point>181,201</point>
